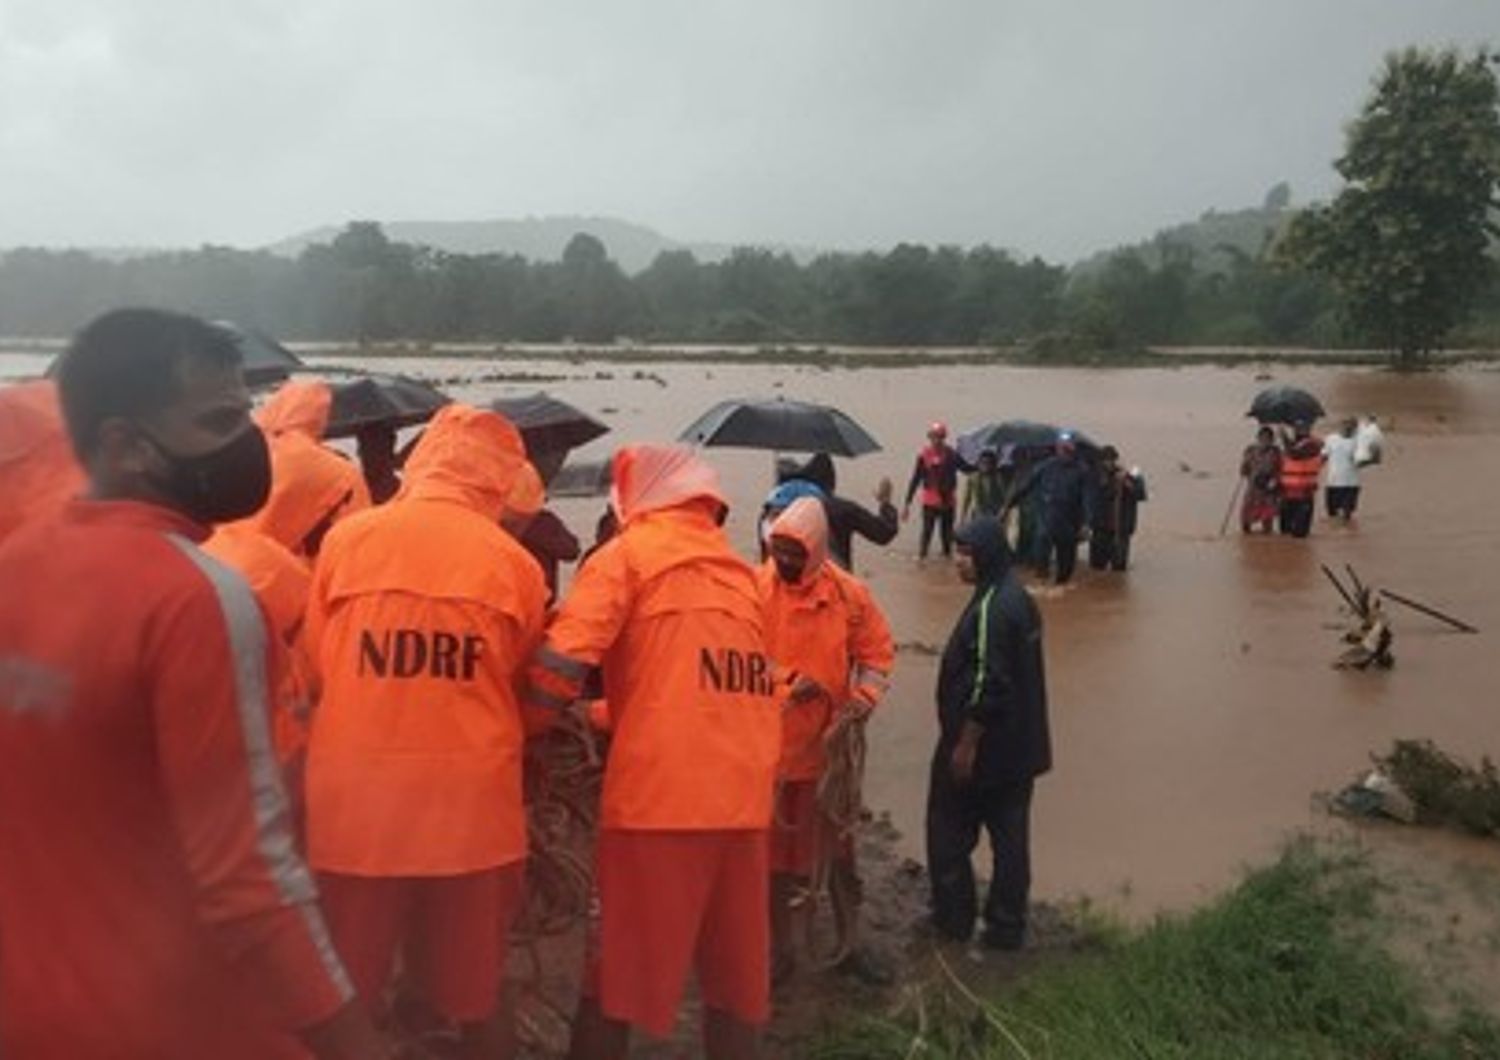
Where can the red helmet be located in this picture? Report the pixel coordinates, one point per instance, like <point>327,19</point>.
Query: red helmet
<point>938,429</point>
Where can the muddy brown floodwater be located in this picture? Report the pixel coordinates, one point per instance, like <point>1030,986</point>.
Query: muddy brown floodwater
<point>1194,710</point>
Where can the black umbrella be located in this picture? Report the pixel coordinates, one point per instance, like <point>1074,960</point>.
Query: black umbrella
<point>382,401</point>
<point>1286,404</point>
<point>782,426</point>
<point>1021,435</point>
<point>264,359</point>
<point>548,423</point>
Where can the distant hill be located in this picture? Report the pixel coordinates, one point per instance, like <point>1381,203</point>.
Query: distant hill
<point>1249,231</point>
<point>633,246</point>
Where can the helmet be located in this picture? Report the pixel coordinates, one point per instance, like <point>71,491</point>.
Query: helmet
<point>781,498</point>
<point>938,429</point>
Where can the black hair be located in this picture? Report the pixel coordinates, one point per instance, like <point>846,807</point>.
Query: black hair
<point>125,363</point>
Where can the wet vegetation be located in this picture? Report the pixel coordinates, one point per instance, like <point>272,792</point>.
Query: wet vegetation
<point>1288,965</point>
<point>1445,790</point>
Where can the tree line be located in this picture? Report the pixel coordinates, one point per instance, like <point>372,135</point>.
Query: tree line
<point>1402,258</point>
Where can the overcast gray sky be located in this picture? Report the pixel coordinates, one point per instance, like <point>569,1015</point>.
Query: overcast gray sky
<point>1051,126</point>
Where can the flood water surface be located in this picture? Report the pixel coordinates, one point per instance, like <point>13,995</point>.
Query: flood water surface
<point>1194,711</point>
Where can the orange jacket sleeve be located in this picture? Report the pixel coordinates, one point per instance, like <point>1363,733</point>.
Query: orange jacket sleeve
<point>872,652</point>
<point>584,628</point>
<point>211,662</point>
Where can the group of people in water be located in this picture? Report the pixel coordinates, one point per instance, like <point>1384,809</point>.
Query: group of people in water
<point>1280,475</point>
<point>1048,497</point>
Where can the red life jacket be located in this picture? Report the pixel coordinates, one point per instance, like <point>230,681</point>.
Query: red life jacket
<point>1300,465</point>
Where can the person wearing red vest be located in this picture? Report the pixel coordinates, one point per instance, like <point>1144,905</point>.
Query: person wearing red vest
<point>1301,464</point>
<point>673,616</point>
<point>936,476</point>
<point>152,899</point>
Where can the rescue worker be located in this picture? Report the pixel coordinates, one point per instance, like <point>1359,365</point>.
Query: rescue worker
<point>1058,483</point>
<point>993,744</point>
<point>846,517</point>
<point>541,533</point>
<point>422,612</point>
<point>312,487</point>
<point>833,652</point>
<point>38,472</point>
<point>1301,462</point>
<point>936,474</point>
<point>152,900</point>
<point>674,617</point>
<point>1112,500</point>
<point>777,502</point>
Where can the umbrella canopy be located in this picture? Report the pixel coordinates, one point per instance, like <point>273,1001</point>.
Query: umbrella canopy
<point>581,480</point>
<point>382,401</point>
<point>782,426</point>
<point>1020,435</point>
<point>548,423</point>
<point>265,359</point>
<point>1286,404</point>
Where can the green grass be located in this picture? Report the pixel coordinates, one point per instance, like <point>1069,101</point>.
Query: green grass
<point>1288,966</point>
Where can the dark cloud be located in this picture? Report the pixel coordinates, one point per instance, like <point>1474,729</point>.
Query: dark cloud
<point>1047,125</point>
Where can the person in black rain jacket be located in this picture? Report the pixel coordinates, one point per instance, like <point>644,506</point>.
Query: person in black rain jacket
<point>994,743</point>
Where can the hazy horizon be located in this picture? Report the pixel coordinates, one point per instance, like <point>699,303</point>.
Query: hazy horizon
<point>1053,128</point>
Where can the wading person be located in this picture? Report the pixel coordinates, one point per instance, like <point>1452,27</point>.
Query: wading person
<point>152,900</point>
<point>993,744</point>
<point>1301,463</point>
<point>935,475</point>
<point>1058,485</point>
<point>1341,485</point>
<point>422,612</point>
<point>984,489</point>
<point>673,616</point>
<point>846,517</point>
<point>1112,500</point>
<point>1260,467</point>
<point>833,653</point>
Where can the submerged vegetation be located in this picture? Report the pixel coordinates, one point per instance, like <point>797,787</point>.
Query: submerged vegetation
<point>1290,964</point>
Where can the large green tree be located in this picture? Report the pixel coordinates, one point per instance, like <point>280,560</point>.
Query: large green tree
<point>1405,242</point>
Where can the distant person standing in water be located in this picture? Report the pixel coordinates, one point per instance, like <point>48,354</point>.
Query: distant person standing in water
<point>1113,496</point>
<point>1260,467</point>
<point>936,475</point>
<point>984,489</point>
<point>1341,485</point>
<point>1301,463</point>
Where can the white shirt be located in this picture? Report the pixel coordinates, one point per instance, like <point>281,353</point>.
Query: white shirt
<point>1368,441</point>
<point>1343,470</point>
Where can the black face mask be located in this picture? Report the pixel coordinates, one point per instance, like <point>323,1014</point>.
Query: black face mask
<point>222,485</point>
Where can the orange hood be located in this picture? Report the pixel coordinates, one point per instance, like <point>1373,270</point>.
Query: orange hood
<point>806,523</point>
<point>38,471</point>
<point>308,482</point>
<point>652,478</point>
<point>528,496</point>
<point>467,455</point>
<point>297,408</point>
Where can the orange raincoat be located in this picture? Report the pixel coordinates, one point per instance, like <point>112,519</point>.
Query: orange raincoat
<point>38,471</point>
<point>311,485</point>
<point>673,615</point>
<point>422,612</point>
<point>826,634</point>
